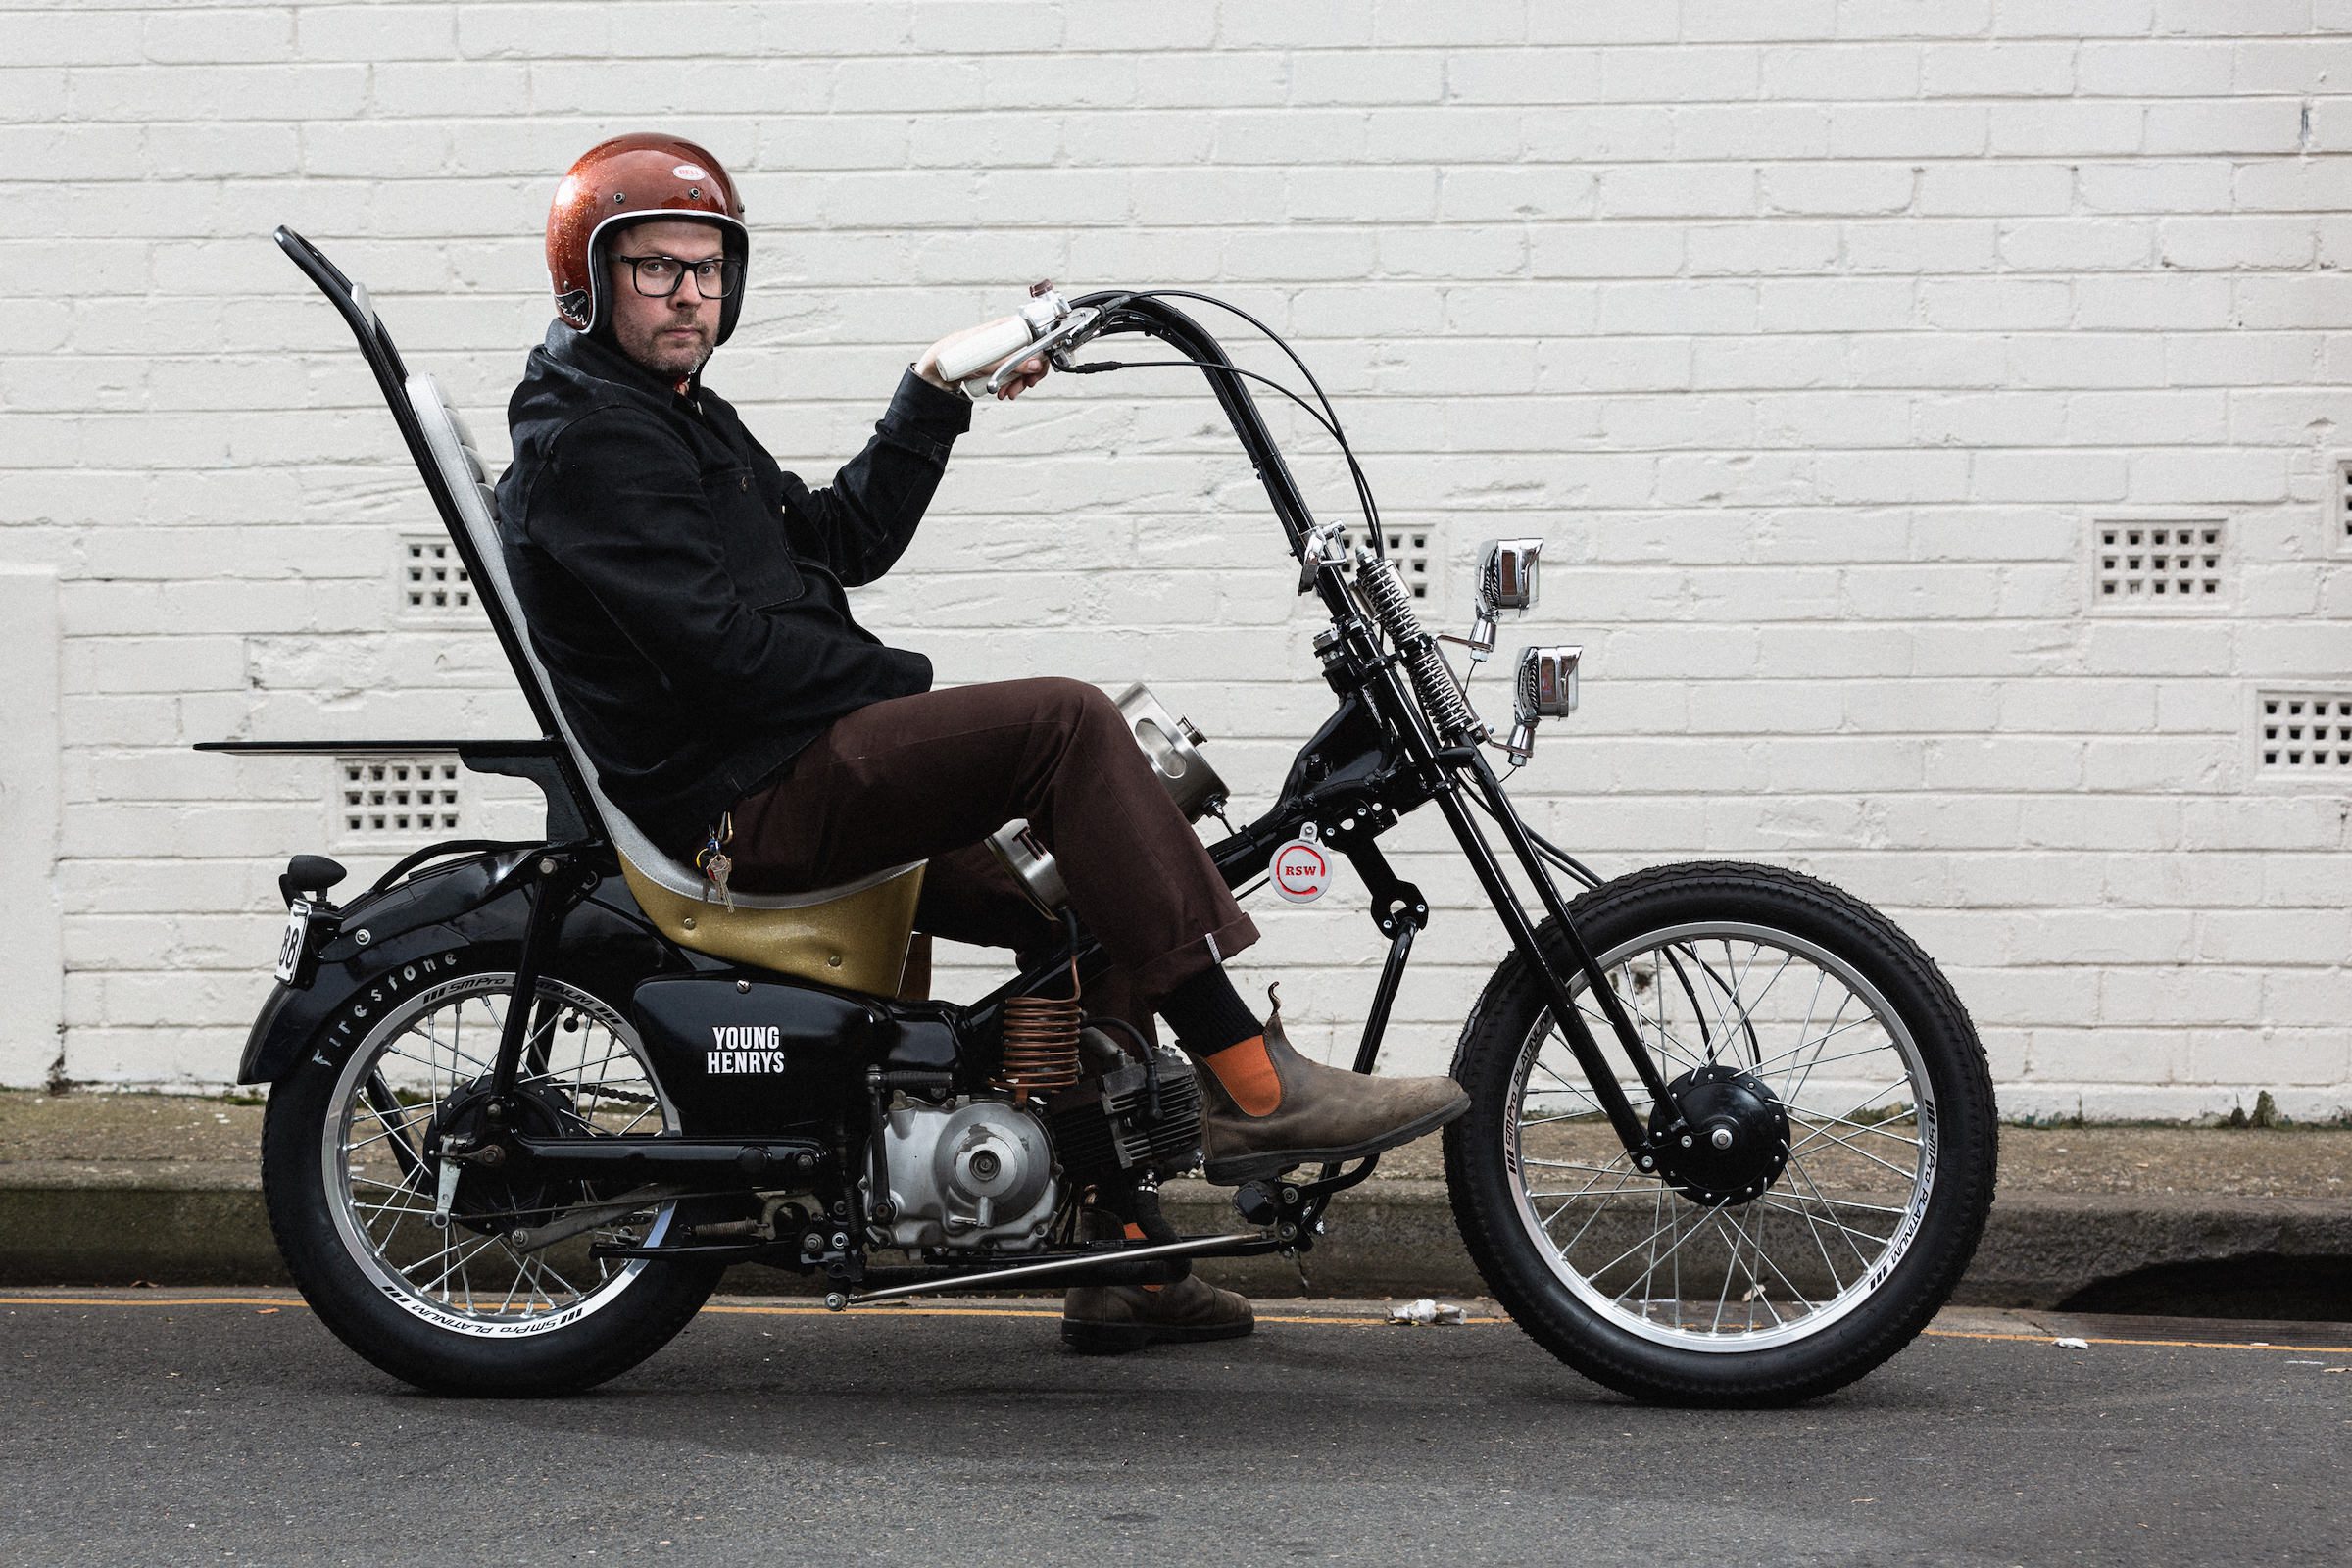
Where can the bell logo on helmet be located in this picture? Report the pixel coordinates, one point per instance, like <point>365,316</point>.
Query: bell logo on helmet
<point>690,172</point>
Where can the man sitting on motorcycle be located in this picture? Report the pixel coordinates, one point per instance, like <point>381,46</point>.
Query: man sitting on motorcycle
<point>686,597</point>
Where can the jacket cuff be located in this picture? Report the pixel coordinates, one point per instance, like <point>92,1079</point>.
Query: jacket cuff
<point>924,410</point>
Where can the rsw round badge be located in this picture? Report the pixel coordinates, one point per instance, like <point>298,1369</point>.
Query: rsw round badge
<point>1302,868</point>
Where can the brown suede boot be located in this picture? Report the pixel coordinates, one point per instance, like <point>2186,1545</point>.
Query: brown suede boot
<point>1113,1319</point>
<point>1285,1110</point>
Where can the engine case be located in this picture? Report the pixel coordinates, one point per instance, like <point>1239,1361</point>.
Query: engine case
<point>972,1175</point>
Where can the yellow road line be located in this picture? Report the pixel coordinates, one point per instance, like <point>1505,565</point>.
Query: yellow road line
<point>147,1299</point>
<point>730,1310</point>
<point>2176,1344</point>
<point>1348,1321</point>
<point>745,1309</point>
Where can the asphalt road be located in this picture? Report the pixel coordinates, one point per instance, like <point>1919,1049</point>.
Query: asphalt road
<point>141,1427</point>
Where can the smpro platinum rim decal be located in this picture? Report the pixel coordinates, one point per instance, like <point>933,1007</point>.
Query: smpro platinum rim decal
<point>1753,1302</point>
<point>520,1296</point>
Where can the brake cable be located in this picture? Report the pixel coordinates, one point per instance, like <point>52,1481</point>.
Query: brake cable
<point>1328,418</point>
<point>1364,486</point>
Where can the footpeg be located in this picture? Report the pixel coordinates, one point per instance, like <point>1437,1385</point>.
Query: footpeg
<point>1255,1204</point>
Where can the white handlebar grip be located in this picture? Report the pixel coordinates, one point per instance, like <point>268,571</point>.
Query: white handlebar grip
<point>984,348</point>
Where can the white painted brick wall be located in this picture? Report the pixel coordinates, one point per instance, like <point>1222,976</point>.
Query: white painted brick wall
<point>1817,336</point>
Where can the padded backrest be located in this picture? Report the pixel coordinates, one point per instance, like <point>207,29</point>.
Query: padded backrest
<point>460,466</point>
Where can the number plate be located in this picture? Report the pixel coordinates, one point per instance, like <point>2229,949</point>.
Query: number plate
<point>289,949</point>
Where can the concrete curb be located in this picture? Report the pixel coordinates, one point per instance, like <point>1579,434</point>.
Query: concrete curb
<point>1389,1237</point>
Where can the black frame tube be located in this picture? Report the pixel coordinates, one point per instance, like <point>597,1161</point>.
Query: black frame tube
<point>1383,995</point>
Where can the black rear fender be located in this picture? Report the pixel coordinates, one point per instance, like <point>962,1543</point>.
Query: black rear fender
<point>417,930</point>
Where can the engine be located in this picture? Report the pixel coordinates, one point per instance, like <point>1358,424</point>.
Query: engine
<point>972,1175</point>
<point>986,1175</point>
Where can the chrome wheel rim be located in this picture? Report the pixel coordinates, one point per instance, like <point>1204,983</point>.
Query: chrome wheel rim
<point>582,1058</point>
<point>1836,1221</point>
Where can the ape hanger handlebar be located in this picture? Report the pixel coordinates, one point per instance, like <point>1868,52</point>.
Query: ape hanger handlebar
<point>1381,660</point>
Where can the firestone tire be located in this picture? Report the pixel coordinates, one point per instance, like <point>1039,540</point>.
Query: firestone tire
<point>1533,1281</point>
<point>355,1295</point>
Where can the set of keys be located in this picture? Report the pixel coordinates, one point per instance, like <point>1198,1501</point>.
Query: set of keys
<point>714,861</point>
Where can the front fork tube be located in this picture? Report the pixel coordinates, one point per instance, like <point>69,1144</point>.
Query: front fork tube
<point>1631,1130</point>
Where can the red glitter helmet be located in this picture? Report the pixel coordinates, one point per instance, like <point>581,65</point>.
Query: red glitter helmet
<point>630,179</point>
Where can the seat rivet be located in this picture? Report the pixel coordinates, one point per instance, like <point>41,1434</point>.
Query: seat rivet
<point>743,985</point>
<point>833,961</point>
<point>688,923</point>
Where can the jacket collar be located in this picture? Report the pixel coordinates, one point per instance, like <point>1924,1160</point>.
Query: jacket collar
<point>590,355</point>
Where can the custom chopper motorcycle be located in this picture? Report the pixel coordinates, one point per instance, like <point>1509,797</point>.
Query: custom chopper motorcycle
<point>1732,1138</point>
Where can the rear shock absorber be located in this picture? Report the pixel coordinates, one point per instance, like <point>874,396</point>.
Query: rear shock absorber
<point>1391,606</point>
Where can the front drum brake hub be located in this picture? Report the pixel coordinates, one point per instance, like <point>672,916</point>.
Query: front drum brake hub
<point>1720,1135</point>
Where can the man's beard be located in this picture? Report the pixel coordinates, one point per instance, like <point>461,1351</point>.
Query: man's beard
<point>674,357</point>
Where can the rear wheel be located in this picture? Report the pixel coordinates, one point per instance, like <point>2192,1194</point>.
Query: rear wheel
<point>1828,1183</point>
<point>502,1295</point>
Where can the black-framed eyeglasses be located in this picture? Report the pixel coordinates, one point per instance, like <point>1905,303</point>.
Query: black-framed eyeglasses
<point>658,276</point>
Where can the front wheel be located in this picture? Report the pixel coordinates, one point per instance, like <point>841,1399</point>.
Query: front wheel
<point>491,1284</point>
<point>1830,1174</point>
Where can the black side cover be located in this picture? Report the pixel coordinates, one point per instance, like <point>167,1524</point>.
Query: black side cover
<point>754,1055</point>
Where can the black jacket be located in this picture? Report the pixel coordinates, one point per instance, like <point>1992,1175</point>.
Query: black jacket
<point>684,592</point>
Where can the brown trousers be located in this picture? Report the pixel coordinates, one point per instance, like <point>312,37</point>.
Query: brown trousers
<point>930,776</point>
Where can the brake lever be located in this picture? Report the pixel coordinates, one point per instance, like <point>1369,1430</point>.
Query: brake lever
<point>1065,335</point>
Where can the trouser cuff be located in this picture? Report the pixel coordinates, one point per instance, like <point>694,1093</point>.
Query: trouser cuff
<point>1156,977</point>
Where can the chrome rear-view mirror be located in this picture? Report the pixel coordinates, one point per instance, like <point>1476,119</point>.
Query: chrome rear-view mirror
<point>1545,688</point>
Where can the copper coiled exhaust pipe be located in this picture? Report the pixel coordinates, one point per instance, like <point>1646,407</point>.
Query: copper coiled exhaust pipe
<point>1041,1042</point>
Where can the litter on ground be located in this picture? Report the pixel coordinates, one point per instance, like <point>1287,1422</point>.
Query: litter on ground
<point>1425,1313</point>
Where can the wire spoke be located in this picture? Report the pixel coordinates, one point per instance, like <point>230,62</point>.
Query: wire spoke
<point>1843,1229</point>
<point>582,1066</point>
<point>1635,1248</point>
<point>1815,1134</point>
<point>1740,990</point>
<point>1756,1244</point>
<point>1878,1128</point>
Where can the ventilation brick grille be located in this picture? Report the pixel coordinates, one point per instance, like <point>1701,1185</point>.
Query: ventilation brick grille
<point>434,584</point>
<point>2339,515</point>
<point>2306,733</point>
<point>395,797</point>
<point>1408,548</point>
<point>2142,563</point>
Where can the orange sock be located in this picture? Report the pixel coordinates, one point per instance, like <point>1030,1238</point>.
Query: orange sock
<point>1246,1073</point>
<point>1135,1233</point>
